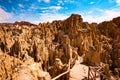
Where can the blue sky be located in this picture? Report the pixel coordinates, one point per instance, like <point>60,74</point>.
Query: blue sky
<point>36,11</point>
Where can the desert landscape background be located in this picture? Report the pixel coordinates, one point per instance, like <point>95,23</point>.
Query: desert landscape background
<point>41,52</point>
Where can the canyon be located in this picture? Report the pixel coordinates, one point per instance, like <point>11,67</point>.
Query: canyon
<point>41,52</point>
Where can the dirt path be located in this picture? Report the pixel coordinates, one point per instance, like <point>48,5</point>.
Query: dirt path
<point>79,72</point>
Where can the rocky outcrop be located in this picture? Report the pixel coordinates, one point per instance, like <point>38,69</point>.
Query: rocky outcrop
<point>7,64</point>
<point>15,69</point>
<point>35,51</point>
<point>29,70</point>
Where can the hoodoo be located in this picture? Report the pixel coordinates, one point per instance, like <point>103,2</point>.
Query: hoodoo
<point>44,51</point>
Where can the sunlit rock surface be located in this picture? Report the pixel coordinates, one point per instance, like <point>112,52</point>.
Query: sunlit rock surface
<point>41,52</point>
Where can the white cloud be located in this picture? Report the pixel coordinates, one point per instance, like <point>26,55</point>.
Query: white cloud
<point>60,2</point>
<point>50,9</point>
<point>71,1</point>
<point>55,7</point>
<point>33,7</point>
<point>20,5</point>
<point>4,15</point>
<point>91,3</point>
<point>106,16</point>
<point>118,2</point>
<point>25,17</point>
<point>47,1</point>
<point>39,0</point>
<point>49,17</point>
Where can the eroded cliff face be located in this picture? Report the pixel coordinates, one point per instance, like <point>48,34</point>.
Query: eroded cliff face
<point>37,51</point>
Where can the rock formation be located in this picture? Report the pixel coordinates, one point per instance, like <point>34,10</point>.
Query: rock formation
<point>41,52</point>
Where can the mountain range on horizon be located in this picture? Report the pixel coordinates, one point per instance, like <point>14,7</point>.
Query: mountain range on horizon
<point>28,23</point>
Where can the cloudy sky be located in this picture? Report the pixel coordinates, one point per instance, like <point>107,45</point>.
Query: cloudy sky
<point>36,11</point>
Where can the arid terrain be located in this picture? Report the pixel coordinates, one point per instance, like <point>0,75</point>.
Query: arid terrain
<point>43,51</point>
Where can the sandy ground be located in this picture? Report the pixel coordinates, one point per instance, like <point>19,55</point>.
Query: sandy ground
<point>79,71</point>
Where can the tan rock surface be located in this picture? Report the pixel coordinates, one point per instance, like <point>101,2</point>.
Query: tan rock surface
<point>63,39</point>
